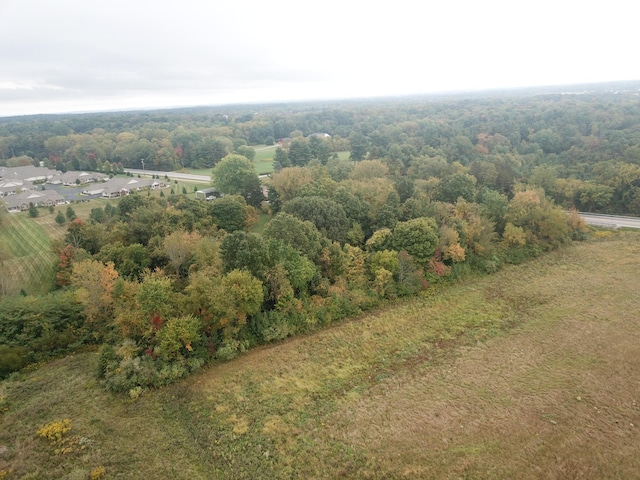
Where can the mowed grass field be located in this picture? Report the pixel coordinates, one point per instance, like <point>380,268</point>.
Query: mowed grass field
<point>25,244</point>
<point>531,373</point>
<point>263,161</point>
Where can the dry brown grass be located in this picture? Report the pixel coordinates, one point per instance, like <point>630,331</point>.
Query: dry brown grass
<point>556,398</point>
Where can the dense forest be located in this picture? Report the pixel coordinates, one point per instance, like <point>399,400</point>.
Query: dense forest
<point>582,148</point>
<point>433,190</point>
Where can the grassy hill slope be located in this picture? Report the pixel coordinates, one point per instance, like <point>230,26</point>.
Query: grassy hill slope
<point>529,373</point>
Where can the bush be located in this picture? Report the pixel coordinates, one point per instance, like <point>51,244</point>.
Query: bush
<point>55,431</point>
<point>12,359</point>
<point>33,211</point>
<point>179,338</point>
<point>272,326</point>
<point>98,473</point>
<point>122,370</point>
<point>106,356</point>
<point>230,349</point>
<point>38,328</point>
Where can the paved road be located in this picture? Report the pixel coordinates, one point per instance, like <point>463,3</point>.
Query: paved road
<point>174,175</point>
<point>613,221</point>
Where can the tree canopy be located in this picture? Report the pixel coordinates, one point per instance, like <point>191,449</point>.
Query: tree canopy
<point>236,175</point>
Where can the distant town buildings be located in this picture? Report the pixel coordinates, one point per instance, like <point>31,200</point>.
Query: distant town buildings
<point>21,186</point>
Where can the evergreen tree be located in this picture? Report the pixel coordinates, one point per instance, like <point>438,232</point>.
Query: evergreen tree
<point>60,218</point>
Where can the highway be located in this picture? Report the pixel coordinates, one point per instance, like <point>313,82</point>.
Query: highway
<point>172,175</point>
<point>611,221</point>
<point>176,175</point>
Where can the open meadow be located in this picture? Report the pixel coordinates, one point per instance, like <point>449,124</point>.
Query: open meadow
<point>529,373</point>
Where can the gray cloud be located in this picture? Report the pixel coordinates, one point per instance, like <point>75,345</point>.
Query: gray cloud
<point>72,54</point>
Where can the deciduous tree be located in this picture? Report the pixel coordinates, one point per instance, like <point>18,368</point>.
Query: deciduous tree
<point>288,181</point>
<point>180,246</point>
<point>418,237</point>
<point>328,216</point>
<point>236,296</point>
<point>230,213</point>
<point>94,282</point>
<point>299,234</point>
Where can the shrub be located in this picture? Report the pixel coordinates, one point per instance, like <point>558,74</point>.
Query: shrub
<point>57,434</point>
<point>33,211</point>
<point>272,326</point>
<point>123,370</point>
<point>55,431</point>
<point>98,473</point>
<point>230,349</point>
<point>12,359</point>
<point>179,338</point>
<point>38,328</point>
<point>60,218</point>
<point>106,356</point>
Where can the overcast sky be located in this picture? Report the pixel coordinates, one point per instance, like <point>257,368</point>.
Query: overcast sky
<point>84,55</point>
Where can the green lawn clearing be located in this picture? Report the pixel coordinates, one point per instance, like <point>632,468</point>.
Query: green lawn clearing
<point>25,245</point>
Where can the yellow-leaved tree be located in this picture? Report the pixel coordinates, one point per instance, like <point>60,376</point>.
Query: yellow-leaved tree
<point>235,297</point>
<point>94,282</point>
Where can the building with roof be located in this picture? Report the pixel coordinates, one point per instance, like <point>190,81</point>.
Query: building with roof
<point>73,178</point>
<point>20,201</point>
<point>27,173</point>
<point>208,193</point>
<point>118,187</point>
<point>14,180</point>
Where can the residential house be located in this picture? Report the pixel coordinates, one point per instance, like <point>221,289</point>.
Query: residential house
<point>19,179</point>
<point>44,198</point>
<point>118,187</point>
<point>72,178</point>
<point>28,173</point>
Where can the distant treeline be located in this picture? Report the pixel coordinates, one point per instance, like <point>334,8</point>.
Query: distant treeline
<point>583,149</point>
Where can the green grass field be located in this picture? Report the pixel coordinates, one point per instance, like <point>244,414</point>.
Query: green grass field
<point>264,158</point>
<point>26,245</point>
<point>529,373</point>
<point>263,161</point>
<point>258,227</point>
<point>344,155</point>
